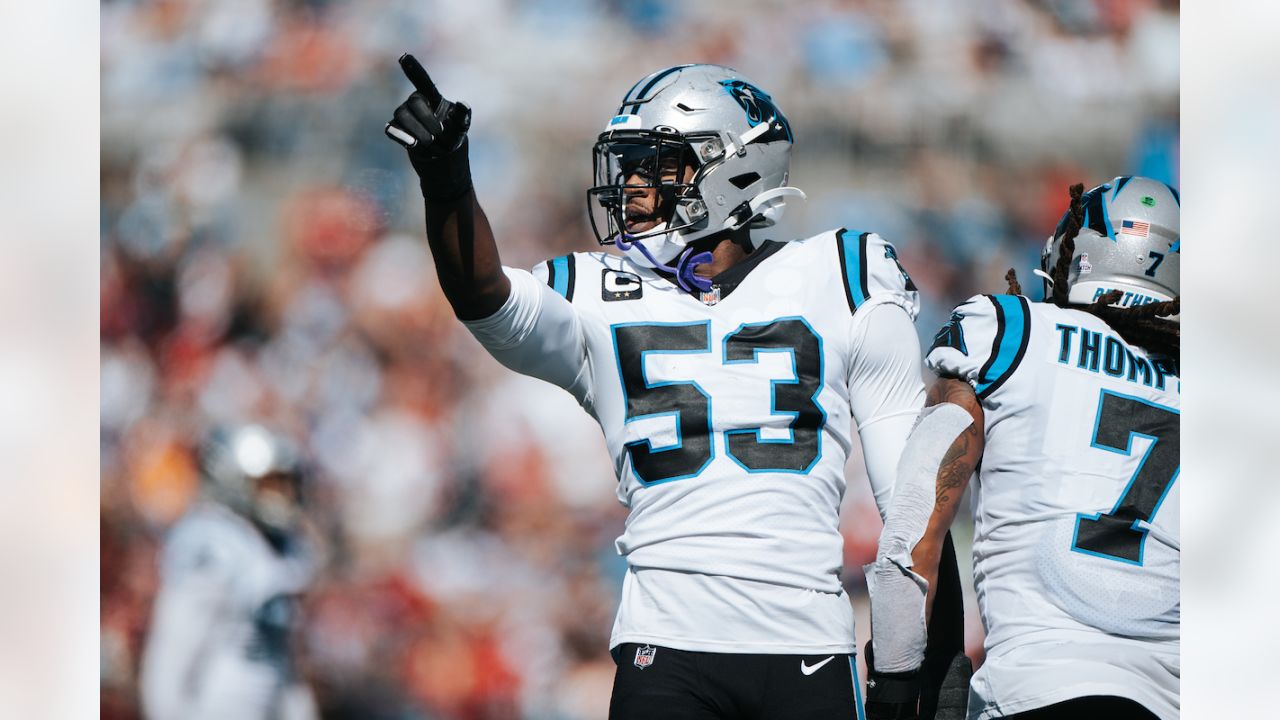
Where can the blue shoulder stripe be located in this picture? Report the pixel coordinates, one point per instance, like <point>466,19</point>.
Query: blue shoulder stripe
<point>853,267</point>
<point>561,275</point>
<point>1013,330</point>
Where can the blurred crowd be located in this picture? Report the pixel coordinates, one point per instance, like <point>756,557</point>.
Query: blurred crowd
<point>262,257</point>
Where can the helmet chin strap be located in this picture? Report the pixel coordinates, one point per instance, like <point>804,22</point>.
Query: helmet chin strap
<point>684,266</point>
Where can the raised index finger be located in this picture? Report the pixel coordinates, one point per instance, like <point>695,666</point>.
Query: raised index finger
<point>420,79</point>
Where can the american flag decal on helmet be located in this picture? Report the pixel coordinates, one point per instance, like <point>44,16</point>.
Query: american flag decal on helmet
<point>1137,228</point>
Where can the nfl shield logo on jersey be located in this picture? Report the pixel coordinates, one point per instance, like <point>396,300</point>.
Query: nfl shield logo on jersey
<point>644,656</point>
<point>710,297</point>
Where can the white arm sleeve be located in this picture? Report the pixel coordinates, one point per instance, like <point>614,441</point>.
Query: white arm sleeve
<point>898,629</point>
<point>886,391</point>
<point>536,332</point>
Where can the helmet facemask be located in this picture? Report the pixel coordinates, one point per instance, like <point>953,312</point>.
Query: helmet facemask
<point>631,164</point>
<point>646,187</point>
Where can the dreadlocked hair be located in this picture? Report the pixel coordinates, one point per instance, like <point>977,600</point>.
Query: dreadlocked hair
<point>1062,268</point>
<point>1015,287</point>
<point>1141,325</point>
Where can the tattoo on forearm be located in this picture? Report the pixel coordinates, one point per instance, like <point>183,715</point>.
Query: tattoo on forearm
<point>954,472</point>
<point>962,457</point>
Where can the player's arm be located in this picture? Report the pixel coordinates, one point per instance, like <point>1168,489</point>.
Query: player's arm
<point>915,574</point>
<point>887,394</point>
<point>910,661</point>
<point>952,477</point>
<point>522,323</point>
<point>536,332</point>
<point>434,131</point>
<point>886,391</point>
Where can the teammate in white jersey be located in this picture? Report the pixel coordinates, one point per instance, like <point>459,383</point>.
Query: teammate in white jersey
<point>1070,408</point>
<point>232,570</point>
<point>725,370</point>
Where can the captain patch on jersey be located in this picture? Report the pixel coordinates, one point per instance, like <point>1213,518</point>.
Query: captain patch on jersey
<point>619,285</point>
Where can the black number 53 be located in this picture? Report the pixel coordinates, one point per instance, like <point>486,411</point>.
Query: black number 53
<point>690,404</point>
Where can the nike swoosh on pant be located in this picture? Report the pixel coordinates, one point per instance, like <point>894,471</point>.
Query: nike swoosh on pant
<point>809,670</point>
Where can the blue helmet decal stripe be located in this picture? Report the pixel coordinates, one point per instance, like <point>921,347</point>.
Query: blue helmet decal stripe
<point>1095,212</point>
<point>655,78</point>
<point>633,89</point>
<point>1106,218</point>
<point>1120,183</point>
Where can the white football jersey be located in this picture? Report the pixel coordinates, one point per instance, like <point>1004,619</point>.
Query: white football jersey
<point>728,417</point>
<point>1076,550</point>
<point>219,641</point>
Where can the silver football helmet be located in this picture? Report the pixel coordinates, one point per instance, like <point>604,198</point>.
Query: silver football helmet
<point>711,145</point>
<point>236,461</point>
<point>1128,241</point>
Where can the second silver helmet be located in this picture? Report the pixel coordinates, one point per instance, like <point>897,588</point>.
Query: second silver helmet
<point>1129,240</point>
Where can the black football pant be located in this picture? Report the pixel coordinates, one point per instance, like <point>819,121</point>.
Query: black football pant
<point>682,685</point>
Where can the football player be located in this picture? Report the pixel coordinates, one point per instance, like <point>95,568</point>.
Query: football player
<point>725,370</point>
<point>1070,407</point>
<point>231,574</point>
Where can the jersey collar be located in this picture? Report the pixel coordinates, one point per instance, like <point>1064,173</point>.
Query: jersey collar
<point>732,277</point>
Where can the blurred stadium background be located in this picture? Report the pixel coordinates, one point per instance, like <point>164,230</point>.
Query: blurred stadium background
<point>262,257</point>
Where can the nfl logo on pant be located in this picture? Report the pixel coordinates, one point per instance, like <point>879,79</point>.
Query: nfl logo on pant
<point>644,656</point>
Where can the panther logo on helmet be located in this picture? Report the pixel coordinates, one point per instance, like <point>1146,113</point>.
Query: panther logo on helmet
<point>759,108</point>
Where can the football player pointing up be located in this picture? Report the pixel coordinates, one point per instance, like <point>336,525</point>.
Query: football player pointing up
<point>726,370</point>
<point>1072,406</point>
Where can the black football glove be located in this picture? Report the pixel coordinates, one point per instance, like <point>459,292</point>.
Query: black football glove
<point>434,131</point>
<point>891,696</point>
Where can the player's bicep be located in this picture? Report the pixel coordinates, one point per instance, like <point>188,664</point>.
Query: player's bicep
<point>886,391</point>
<point>538,333</point>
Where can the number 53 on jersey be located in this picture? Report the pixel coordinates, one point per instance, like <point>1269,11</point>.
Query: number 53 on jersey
<point>792,397</point>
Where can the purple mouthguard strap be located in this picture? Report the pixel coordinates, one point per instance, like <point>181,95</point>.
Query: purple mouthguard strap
<point>683,269</point>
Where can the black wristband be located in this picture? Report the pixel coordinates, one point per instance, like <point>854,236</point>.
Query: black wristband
<point>893,687</point>
<point>445,178</point>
